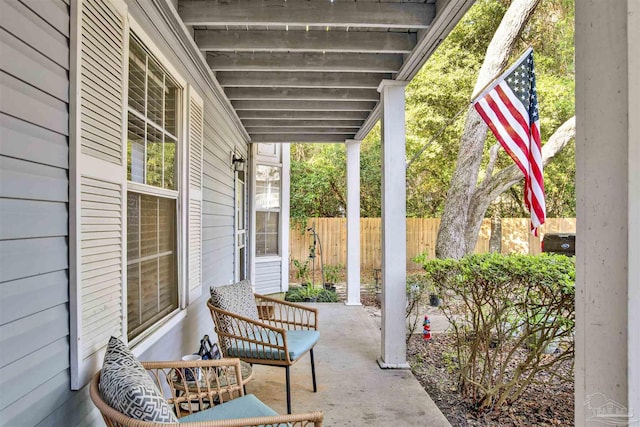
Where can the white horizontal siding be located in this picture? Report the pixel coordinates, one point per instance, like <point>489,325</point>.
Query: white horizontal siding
<point>268,277</point>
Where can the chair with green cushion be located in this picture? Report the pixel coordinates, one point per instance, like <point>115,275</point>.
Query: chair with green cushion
<point>262,330</point>
<point>128,393</point>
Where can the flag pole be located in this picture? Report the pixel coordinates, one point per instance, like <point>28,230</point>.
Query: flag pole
<point>432,140</point>
<point>507,69</point>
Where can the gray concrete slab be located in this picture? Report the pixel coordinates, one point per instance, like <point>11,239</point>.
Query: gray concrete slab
<point>352,389</point>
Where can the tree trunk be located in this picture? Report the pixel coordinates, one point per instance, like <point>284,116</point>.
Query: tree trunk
<point>494,185</point>
<point>451,234</point>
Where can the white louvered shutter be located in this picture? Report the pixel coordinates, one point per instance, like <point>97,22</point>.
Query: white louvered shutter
<point>195,135</point>
<point>98,180</point>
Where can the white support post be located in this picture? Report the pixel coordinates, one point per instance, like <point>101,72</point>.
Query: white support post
<point>394,227</point>
<point>353,221</point>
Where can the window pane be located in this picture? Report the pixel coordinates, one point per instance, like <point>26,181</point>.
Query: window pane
<point>167,225</point>
<point>149,226</point>
<point>137,59</point>
<point>267,187</point>
<point>271,244</point>
<point>133,298</point>
<point>155,90</point>
<point>135,149</point>
<point>267,233</point>
<point>154,156</point>
<point>271,225</point>
<point>152,282</point>
<point>170,106</point>
<point>133,226</point>
<point>149,289</point>
<point>168,291</point>
<point>169,163</point>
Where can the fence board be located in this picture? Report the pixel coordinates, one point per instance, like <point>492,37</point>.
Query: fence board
<point>421,237</point>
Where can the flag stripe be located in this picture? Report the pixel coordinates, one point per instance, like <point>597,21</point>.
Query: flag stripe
<point>488,115</point>
<point>517,142</point>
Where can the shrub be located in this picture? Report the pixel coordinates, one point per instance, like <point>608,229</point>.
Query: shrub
<point>310,293</point>
<point>417,287</point>
<point>506,313</point>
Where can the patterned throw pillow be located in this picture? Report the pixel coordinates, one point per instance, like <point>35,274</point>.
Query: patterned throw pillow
<point>236,298</point>
<point>126,386</point>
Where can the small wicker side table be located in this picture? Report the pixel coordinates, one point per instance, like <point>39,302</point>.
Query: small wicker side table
<point>246,370</point>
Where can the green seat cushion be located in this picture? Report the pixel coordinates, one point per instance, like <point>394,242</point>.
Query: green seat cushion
<point>298,343</point>
<point>247,406</point>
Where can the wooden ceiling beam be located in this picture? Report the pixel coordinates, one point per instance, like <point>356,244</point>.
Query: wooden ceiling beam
<point>301,79</point>
<point>298,105</point>
<point>299,130</point>
<point>301,94</point>
<point>279,123</point>
<point>304,41</point>
<point>294,62</point>
<point>303,115</point>
<point>307,12</point>
<point>300,137</point>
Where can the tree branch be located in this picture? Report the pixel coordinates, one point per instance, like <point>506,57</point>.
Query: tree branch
<point>503,180</point>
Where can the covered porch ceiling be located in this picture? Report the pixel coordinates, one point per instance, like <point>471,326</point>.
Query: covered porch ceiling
<point>308,70</point>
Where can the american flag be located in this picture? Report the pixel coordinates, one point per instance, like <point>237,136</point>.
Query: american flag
<point>509,106</point>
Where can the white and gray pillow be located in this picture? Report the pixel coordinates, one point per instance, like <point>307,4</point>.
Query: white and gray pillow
<point>126,386</point>
<point>236,298</point>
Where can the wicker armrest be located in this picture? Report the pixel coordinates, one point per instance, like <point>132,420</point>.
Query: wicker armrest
<point>248,339</point>
<point>286,314</point>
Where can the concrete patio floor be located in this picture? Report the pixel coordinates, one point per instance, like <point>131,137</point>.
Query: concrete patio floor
<point>352,389</point>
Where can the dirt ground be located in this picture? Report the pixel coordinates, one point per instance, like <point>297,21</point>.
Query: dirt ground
<point>551,405</point>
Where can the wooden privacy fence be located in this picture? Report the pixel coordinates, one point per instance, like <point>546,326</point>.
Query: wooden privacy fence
<point>421,237</point>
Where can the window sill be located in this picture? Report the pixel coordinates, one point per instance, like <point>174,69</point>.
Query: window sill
<point>159,332</point>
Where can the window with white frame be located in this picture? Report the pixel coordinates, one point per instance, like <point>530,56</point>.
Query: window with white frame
<point>153,121</point>
<point>267,204</point>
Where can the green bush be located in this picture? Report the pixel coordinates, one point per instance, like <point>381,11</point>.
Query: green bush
<point>507,311</point>
<point>310,294</point>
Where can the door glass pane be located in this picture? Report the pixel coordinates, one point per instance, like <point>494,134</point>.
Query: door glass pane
<point>154,156</point>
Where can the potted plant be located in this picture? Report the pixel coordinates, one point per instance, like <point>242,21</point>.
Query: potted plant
<point>331,276</point>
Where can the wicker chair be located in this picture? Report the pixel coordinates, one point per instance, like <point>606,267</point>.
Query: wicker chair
<point>221,382</point>
<point>281,335</point>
